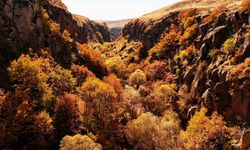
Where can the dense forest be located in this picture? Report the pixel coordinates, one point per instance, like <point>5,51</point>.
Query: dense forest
<point>175,79</point>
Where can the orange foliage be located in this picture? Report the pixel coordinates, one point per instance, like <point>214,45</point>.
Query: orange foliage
<point>156,70</point>
<point>206,133</point>
<point>115,82</point>
<point>92,57</point>
<point>68,115</point>
<point>187,13</point>
<point>245,5</point>
<point>189,33</point>
<point>81,73</point>
<point>214,14</point>
<point>166,43</point>
<point>240,71</point>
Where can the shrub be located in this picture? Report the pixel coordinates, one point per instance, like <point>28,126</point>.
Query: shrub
<point>206,133</point>
<point>137,78</point>
<point>115,82</point>
<point>228,46</point>
<point>164,47</point>
<point>184,54</point>
<point>184,15</point>
<point>156,70</point>
<point>68,119</point>
<point>92,59</point>
<point>212,53</point>
<point>161,99</point>
<point>116,65</point>
<point>81,73</point>
<point>151,132</point>
<point>240,71</point>
<point>31,74</point>
<point>43,123</point>
<point>61,80</point>
<point>214,14</point>
<point>245,5</point>
<point>79,142</point>
<point>101,99</point>
<point>189,33</point>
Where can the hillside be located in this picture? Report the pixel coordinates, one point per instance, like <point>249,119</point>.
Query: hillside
<point>177,78</point>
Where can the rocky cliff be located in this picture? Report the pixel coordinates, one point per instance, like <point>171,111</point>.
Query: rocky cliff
<point>207,47</point>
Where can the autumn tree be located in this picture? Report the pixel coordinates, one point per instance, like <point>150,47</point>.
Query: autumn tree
<point>79,142</point>
<point>81,73</point>
<point>137,78</point>
<point>44,131</point>
<point>156,70</point>
<point>206,132</point>
<point>115,82</point>
<point>93,59</point>
<point>30,74</point>
<point>68,120</point>
<point>61,80</point>
<point>161,99</point>
<point>151,132</point>
<point>103,106</point>
<point>116,65</point>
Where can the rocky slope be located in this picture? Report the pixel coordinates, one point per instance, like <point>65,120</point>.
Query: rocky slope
<point>205,44</point>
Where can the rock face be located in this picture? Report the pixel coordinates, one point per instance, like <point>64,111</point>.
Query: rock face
<point>207,73</point>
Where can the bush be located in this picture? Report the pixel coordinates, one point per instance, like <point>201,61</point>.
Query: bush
<point>228,46</point>
<point>186,14</point>
<point>43,124</point>
<point>150,132</point>
<point>164,47</point>
<point>206,133</point>
<point>79,142</point>
<point>156,70</point>
<point>61,80</point>
<point>189,33</point>
<point>81,73</point>
<point>31,75</point>
<point>137,78</point>
<point>116,65</point>
<point>161,99</point>
<point>68,119</point>
<point>101,100</point>
<point>92,59</point>
<point>240,71</point>
<point>245,5</point>
<point>115,82</point>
